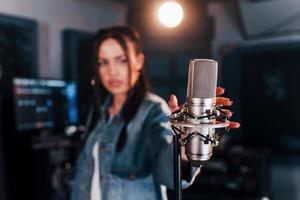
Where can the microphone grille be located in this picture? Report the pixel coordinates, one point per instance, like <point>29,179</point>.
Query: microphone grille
<point>202,78</point>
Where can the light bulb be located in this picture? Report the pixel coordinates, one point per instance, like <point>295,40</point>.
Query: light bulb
<point>170,14</point>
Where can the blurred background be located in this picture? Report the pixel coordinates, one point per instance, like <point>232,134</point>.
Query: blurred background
<point>45,73</point>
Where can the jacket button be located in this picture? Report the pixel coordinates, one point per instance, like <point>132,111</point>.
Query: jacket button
<point>131,176</point>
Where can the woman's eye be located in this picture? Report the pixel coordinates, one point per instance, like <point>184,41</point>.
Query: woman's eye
<point>122,61</point>
<point>101,63</point>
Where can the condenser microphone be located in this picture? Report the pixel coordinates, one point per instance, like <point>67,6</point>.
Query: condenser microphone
<point>201,101</point>
<point>197,120</point>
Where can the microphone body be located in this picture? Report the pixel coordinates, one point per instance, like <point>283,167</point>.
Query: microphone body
<point>197,119</point>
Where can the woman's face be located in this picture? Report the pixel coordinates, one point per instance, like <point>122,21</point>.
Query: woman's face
<point>113,66</point>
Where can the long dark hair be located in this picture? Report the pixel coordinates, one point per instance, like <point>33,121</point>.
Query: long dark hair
<point>123,35</point>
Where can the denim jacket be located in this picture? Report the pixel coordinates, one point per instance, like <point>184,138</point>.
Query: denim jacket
<point>141,167</point>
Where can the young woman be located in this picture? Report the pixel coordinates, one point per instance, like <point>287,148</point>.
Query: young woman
<point>128,154</point>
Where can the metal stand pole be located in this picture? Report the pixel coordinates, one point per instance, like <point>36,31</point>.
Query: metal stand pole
<point>177,166</point>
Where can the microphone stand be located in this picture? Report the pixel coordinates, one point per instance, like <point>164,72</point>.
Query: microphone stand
<point>177,166</point>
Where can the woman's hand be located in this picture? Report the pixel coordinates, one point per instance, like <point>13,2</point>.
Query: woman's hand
<point>173,103</point>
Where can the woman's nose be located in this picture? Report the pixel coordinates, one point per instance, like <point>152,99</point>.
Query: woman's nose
<point>112,69</point>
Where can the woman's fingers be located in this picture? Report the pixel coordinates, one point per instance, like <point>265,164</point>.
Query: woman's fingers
<point>223,101</point>
<point>234,125</point>
<point>173,103</point>
<point>227,112</point>
<point>226,102</point>
<point>220,91</point>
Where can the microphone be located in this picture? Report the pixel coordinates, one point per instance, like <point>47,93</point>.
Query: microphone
<point>197,120</point>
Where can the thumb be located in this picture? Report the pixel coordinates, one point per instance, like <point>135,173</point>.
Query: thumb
<point>173,103</point>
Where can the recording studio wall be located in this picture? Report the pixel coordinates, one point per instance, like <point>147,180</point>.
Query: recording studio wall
<point>283,17</point>
<point>194,33</point>
<point>18,46</point>
<point>168,51</point>
<point>78,66</point>
<point>2,189</point>
<point>18,58</point>
<point>271,72</point>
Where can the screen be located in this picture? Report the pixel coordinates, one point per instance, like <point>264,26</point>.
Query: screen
<point>44,104</point>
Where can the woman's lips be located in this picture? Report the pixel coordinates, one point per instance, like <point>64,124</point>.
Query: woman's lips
<point>115,83</point>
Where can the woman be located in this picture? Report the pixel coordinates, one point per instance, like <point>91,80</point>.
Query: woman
<point>128,154</point>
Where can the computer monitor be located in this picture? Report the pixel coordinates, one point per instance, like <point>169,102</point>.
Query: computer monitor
<point>44,104</point>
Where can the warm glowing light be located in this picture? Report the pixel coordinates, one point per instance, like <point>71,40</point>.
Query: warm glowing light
<point>170,14</point>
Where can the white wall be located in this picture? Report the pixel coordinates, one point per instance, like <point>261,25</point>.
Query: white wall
<point>55,15</point>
